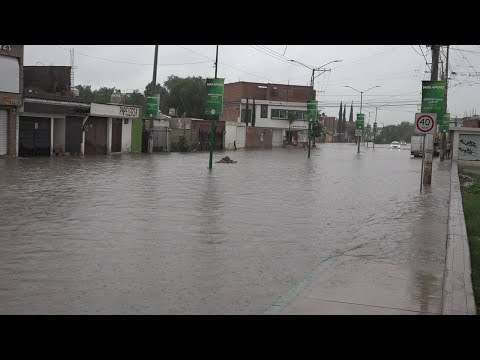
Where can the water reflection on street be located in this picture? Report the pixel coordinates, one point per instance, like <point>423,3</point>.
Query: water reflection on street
<point>161,234</point>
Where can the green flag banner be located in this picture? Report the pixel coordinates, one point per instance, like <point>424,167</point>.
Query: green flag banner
<point>433,97</point>
<point>214,97</point>
<point>153,105</point>
<point>312,106</point>
<point>446,122</point>
<point>360,121</point>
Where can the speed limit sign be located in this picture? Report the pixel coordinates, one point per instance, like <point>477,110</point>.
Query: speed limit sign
<point>425,123</point>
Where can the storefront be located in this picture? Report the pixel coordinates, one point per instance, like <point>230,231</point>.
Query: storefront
<point>108,129</point>
<point>11,95</point>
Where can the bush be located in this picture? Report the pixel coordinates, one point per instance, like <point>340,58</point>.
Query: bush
<point>182,145</point>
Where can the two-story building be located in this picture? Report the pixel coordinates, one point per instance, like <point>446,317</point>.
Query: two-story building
<point>279,111</point>
<point>11,95</point>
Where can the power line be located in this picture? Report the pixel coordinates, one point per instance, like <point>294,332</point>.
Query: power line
<point>246,72</point>
<point>416,50</point>
<point>426,61</point>
<point>130,63</point>
<point>272,55</point>
<point>465,58</point>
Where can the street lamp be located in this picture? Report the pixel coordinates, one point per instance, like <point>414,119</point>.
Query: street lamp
<point>361,103</point>
<point>312,79</point>
<point>361,93</point>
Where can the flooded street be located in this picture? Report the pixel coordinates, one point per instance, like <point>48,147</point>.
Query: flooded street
<point>160,234</point>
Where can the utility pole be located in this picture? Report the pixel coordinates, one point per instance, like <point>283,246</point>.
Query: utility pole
<point>444,132</point>
<point>213,126</point>
<point>375,127</point>
<point>154,82</point>
<point>428,147</point>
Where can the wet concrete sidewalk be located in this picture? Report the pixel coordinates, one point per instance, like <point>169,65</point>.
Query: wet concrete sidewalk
<point>364,280</point>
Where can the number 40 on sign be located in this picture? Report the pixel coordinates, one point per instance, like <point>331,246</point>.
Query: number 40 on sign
<point>425,123</point>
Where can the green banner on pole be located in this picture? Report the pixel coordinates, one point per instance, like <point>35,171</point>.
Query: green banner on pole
<point>214,97</point>
<point>446,122</point>
<point>433,97</point>
<point>153,106</point>
<point>375,127</point>
<point>360,121</point>
<point>312,106</point>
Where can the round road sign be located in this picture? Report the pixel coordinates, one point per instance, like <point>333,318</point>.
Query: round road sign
<point>425,123</point>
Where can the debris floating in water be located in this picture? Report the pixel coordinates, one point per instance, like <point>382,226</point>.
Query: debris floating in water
<point>226,160</point>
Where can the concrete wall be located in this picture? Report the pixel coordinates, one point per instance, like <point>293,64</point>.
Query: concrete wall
<point>258,138</point>
<point>277,137</point>
<point>136,138</point>
<point>466,146</point>
<point>234,132</point>
<point>59,133</point>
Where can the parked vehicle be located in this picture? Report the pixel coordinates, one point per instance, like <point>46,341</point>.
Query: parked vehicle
<point>416,144</point>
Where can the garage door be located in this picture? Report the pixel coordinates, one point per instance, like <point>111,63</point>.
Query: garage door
<point>3,132</point>
<point>96,136</point>
<point>34,136</point>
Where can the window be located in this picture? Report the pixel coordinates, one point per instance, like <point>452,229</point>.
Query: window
<point>264,111</point>
<point>279,114</point>
<point>242,115</point>
<point>125,121</point>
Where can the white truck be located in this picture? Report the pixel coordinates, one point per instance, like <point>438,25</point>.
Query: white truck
<point>416,144</point>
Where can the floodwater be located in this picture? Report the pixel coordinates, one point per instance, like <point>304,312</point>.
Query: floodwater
<point>160,234</point>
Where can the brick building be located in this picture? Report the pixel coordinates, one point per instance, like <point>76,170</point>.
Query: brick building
<point>50,79</point>
<point>11,95</point>
<point>471,121</point>
<point>268,106</point>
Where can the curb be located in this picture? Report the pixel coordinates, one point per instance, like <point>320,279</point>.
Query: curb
<point>458,296</point>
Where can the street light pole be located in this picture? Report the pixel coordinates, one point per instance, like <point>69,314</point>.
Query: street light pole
<point>312,81</point>
<point>361,104</point>
<point>213,125</point>
<point>375,127</point>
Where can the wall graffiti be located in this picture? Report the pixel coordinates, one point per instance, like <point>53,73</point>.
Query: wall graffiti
<point>468,147</point>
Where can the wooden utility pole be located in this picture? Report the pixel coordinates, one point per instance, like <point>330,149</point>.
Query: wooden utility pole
<point>444,133</point>
<point>154,83</point>
<point>428,147</point>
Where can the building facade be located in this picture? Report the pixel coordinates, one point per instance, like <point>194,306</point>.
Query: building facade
<point>11,95</point>
<point>279,109</point>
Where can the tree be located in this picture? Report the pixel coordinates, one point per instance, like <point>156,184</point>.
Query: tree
<point>136,98</point>
<point>291,118</point>
<point>186,95</point>
<point>350,118</point>
<point>85,92</point>
<point>340,119</point>
<point>344,123</point>
<point>400,132</point>
<point>103,95</point>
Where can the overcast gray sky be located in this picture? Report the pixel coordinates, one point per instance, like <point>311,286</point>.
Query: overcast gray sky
<point>397,69</point>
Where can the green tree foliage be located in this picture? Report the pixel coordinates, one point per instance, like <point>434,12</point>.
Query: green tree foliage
<point>350,118</point>
<point>344,122</point>
<point>85,92</point>
<point>186,95</point>
<point>403,131</point>
<point>101,95</point>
